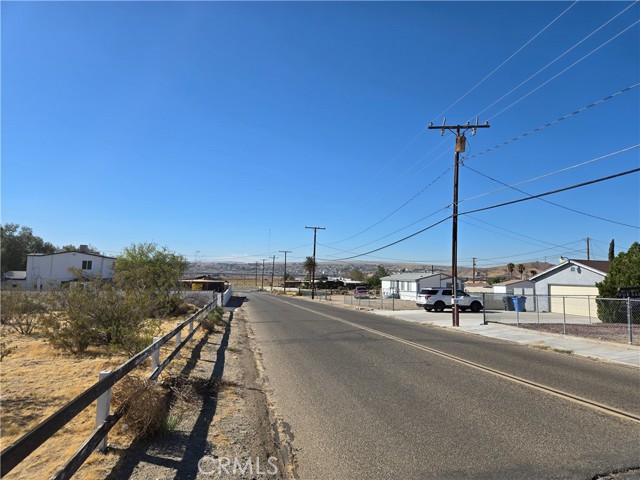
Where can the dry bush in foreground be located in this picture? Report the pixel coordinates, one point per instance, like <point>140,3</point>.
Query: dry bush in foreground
<point>145,405</point>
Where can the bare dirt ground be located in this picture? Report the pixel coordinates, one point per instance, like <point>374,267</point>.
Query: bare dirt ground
<point>223,426</point>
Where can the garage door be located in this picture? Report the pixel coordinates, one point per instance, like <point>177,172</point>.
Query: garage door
<point>577,300</point>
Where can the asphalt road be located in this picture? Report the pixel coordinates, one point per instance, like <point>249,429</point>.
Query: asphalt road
<point>361,405</point>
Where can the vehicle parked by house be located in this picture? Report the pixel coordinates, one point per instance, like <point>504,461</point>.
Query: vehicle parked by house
<point>440,298</point>
<point>361,292</point>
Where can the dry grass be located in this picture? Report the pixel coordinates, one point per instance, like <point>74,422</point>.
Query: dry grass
<point>37,380</point>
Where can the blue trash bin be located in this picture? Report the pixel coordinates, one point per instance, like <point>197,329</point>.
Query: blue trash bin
<point>519,303</point>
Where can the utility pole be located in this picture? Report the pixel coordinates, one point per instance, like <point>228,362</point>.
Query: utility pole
<point>262,288</point>
<point>273,267</point>
<point>256,274</point>
<point>313,271</point>
<point>474,269</point>
<point>461,141</point>
<point>285,268</point>
<point>588,249</point>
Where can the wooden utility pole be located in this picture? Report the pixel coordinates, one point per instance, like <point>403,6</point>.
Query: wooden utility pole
<point>273,268</point>
<point>461,141</point>
<point>588,249</point>
<point>313,270</point>
<point>285,268</point>
<point>262,287</point>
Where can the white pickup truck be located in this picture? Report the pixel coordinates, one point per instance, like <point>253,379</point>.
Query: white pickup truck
<point>440,298</point>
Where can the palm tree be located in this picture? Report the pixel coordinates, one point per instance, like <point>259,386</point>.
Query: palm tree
<point>309,266</point>
<point>521,269</point>
<point>511,267</point>
<point>533,273</point>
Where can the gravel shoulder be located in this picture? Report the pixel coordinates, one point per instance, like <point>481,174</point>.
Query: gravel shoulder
<point>222,422</point>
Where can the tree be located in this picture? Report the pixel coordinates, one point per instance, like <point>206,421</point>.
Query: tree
<point>17,242</point>
<point>533,273</point>
<point>510,268</point>
<point>612,250</point>
<point>374,281</point>
<point>144,267</point>
<point>356,274</point>
<point>22,310</point>
<point>309,266</point>
<point>521,269</point>
<point>623,272</point>
<point>73,248</point>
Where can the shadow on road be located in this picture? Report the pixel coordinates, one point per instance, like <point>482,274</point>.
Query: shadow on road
<point>185,448</point>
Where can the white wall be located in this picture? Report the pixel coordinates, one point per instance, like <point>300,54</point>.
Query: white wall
<point>43,270</point>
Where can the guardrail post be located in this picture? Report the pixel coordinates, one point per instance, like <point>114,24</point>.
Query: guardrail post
<point>178,339</point>
<point>102,410</point>
<point>629,326</point>
<point>155,356</point>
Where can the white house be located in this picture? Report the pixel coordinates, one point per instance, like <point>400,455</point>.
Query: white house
<point>575,280</point>
<point>57,268</point>
<point>407,285</point>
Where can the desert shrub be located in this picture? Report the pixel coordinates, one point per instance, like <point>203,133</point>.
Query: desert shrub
<point>5,349</point>
<point>145,405</point>
<point>155,272</point>
<point>97,312</point>
<point>22,310</point>
<point>213,320</point>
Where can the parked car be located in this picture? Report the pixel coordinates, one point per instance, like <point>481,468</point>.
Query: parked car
<point>440,298</point>
<point>361,292</point>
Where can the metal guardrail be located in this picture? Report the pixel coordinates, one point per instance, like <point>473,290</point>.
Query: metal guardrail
<point>15,453</point>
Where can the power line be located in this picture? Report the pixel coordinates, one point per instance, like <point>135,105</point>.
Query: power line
<point>398,241</point>
<point>556,59</point>
<point>562,170</point>
<point>505,61</point>
<point>552,192</point>
<point>553,203</point>
<point>563,71</point>
<point>396,210</point>
<point>542,127</point>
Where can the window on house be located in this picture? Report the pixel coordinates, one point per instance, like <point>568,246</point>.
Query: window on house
<point>86,264</point>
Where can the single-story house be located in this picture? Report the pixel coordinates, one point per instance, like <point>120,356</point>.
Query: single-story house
<point>570,286</point>
<point>14,279</point>
<point>407,285</point>
<point>44,270</point>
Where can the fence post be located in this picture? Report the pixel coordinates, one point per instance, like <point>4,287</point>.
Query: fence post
<point>102,410</point>
<point>564,317</point>
<point>535,303</point>
<point>629,326</point>
<point>178,338</point>
<point>589,307</point>
<point>190,331</point>
<point>484,309</point>
<point>155,356</point>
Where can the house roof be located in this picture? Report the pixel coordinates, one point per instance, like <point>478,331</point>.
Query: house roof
<point>597,266</point>
<point>512,282</point>
<point>68,251</point>
<point>412,277</point>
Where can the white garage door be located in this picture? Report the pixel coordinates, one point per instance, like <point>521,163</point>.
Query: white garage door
<point>577,300</point>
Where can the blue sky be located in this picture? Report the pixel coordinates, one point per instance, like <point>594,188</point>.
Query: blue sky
<point>222,129</point>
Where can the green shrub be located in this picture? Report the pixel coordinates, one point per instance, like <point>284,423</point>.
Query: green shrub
<point>22,310</point>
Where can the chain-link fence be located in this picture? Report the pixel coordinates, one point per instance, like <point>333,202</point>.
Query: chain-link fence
<point>613,319</point>
<point>375,300</point>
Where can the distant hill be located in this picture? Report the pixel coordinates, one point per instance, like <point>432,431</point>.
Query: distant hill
<point>341,269</point>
